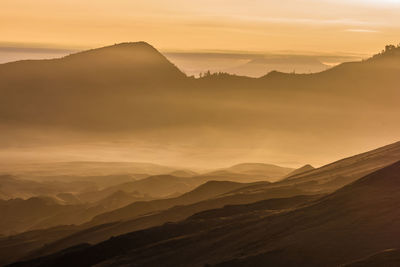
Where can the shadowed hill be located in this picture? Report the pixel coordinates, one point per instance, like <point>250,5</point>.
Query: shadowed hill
<point>83,88</point>
<point>41,212</point>
<point>126,62</point>
<point>337,174</point>
<point>355,222</point>
<point>255,171</point>
<point>20,245</point>
<point>203,192</point>
<point>301,170</point>
<point>346,170</point>
<point>387,258</point>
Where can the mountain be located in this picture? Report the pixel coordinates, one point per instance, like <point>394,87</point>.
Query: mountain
<point>387,257</point>
<point>68,198</point>
<point>14,187</point>
<point>99,97</point>
<point>355,222</point>
<point>127,219</point>
<point>301,170</point>
<point>260,66</point>
<point>183,173</point>
<point>256,171</point>
<point>34,213</point>
<point>84,170</point>
<point>203,192</point>
<point>93,82</point>
<point>113,65</point>
<point>156,186</point>
<point>337,174</point>
<point>119,199</point>
<point>49,240</point>
<point>42,212</point>
<point>205,198</point>
<point>167,185</point>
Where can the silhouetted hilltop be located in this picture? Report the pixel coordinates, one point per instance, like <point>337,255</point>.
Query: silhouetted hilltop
<point>114,65</point>
<point>390,51</point>
<point>301,170</point>
<point>262,171</point>
<point>132,60</point>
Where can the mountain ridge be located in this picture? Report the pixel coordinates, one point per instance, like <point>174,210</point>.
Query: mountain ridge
<point>306,235</point>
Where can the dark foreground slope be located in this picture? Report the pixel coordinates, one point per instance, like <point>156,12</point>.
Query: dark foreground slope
<point>352,223</point>
<point>335,175</point>
<point>387,258</point>
<point>139,215</point>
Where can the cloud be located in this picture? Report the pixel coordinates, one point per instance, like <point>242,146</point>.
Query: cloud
<point>362,30</point>
<point>39,50</point>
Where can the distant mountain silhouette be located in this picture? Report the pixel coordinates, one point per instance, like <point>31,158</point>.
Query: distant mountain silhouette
<point>257,171</point>
<point>84,170</point>
<point>135,62</point>
<point>40,212</point>
<point>259,66</point>
<point>354,222</point>
<point>301,170</point>
<point>183,173</point>
<point>14,187</point>
<point>208,190</point>
<point>119,199</point>
<point>155,186</point>
<point>114,88</point>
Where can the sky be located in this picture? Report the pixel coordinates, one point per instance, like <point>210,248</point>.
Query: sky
<point>345,26</point>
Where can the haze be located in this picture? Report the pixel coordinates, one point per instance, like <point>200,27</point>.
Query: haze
<point>237,37</point>
<point>224,133</point>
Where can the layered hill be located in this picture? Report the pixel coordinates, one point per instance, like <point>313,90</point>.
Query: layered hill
<point>337,174</point>
<point>387,258</point>
<point>301,170</point>
<point>355,222</point>
<point>41,212</point>
<point>138,215</point>
<point>212,195</point>
<point>14,187</point>
<point>254,172</point>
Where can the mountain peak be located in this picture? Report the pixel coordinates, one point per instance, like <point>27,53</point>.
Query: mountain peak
<point>129,62</point>
<point>126,47</point>
<point>123,53</point>
<point>301,170</point>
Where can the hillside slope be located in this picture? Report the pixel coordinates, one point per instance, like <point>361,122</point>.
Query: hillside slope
<point>355,222</point>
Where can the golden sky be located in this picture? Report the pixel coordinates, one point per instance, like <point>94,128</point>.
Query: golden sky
<point>363,26</point>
